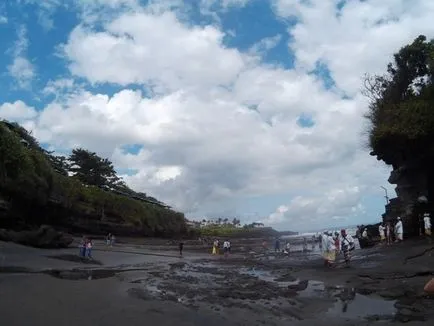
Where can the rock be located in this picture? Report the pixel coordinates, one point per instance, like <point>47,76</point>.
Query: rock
<point>44,237</point>
<point>302,285</point>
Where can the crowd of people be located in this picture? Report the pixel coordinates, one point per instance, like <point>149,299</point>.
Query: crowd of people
<point>332,245</point>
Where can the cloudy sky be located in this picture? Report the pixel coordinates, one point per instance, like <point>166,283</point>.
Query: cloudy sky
<point>247,108</point>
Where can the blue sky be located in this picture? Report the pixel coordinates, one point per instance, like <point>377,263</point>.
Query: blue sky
<point>242,108</point>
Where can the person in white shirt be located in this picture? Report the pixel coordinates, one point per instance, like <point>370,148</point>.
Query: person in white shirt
<point>330,254</point>
<point>381,230</point>
<point>347,244</point>
<point>226,247</point>
<point>365,233</point>
<point>427,224</point>
<point>399,230</point>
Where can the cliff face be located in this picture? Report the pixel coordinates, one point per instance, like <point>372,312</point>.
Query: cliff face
<point>414,187</point>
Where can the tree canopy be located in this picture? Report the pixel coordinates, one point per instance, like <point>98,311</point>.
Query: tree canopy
<point>83,184</point>
<point>401,111</point>
<point>91,169</point>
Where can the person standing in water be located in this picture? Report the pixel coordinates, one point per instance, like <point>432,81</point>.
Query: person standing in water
<point>399,230</point>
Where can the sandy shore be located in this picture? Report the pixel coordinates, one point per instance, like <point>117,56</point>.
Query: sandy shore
<point>134,285</point>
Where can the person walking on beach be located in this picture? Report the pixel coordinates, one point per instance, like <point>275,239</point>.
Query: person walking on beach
<point>226,247</point>
<point>277,245</point>
<point>399,230</point>
<point>108,239</point>
<point>215,247</point>
<point>347,245</point>
<point>427,225</point>
<point>89,249</point>
<point>82,247</point>
<point>381,230</point>
<point>331,250</point>
<point>181,247</point>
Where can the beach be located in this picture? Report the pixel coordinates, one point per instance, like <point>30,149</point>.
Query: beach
<point>136,284</point>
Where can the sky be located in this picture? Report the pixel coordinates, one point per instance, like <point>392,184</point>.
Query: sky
<point>220,108</point>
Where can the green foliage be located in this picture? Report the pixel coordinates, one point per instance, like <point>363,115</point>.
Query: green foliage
<point>91,169</point>
<point>27,172</point>
<point>402,102</point>
<point>231,231</point>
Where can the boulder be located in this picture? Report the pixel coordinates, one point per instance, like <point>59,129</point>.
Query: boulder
<point>44,237</point>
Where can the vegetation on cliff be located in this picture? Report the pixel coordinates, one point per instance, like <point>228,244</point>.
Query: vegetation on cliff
<point>401,111</point>
<point>82,187</point>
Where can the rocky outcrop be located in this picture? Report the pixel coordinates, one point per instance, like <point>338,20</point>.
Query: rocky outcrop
<point>414,185</point>
<point>43,237</point>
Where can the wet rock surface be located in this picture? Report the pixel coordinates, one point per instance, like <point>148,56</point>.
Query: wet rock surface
<point>378,287</point>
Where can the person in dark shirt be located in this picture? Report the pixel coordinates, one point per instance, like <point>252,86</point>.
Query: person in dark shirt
<point>181,247</point>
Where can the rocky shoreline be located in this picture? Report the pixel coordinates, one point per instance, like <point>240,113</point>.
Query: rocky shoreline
<point>134,280</point>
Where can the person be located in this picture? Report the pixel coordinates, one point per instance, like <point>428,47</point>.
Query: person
<point>347,244</point>
<point>427,225</point>
<point>399,230</point>
<point>226,246</point>
<point>89,249</point>
<point>337,243</point>
<point>382,233</point>
<point>287,248</point>
<point>388,233</point>
<point>82,247</point>
<point>112,240</point>
<point>365,233</point>
<point>331,250</point>
<point>277,245</point>
<point>214,247</point>
<point>304,244</point>
<point>108,239</point>
<point>181,247</point>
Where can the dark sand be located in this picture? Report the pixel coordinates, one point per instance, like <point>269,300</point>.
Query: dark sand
<point>132,285</point>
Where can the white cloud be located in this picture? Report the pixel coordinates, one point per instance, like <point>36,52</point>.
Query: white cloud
<point>21,69</point>
<point>220,125</point>
<point>17,111</point>
<point>266,44</point>
<point>156,50</point>
<point>3,19</point>
<point>360,37</point>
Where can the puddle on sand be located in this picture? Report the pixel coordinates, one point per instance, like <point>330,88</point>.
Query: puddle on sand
<point>314,288</point>
<point>348,303</point>
<point>362,306</point>
<point>266,276</point>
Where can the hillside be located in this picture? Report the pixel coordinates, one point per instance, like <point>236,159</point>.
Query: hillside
<point>36,188</point>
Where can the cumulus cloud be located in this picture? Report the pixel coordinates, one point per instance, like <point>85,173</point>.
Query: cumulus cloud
<point>215,125</point>
<point>353,37</point>
<point>21,69</point>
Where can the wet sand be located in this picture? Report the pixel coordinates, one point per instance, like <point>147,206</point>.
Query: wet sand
<point>133,285</point>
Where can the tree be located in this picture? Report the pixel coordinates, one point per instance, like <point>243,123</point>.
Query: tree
<point>13,156</point>
<point>91,169</point>
<point>58,163</point>
<point>401,102</point>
